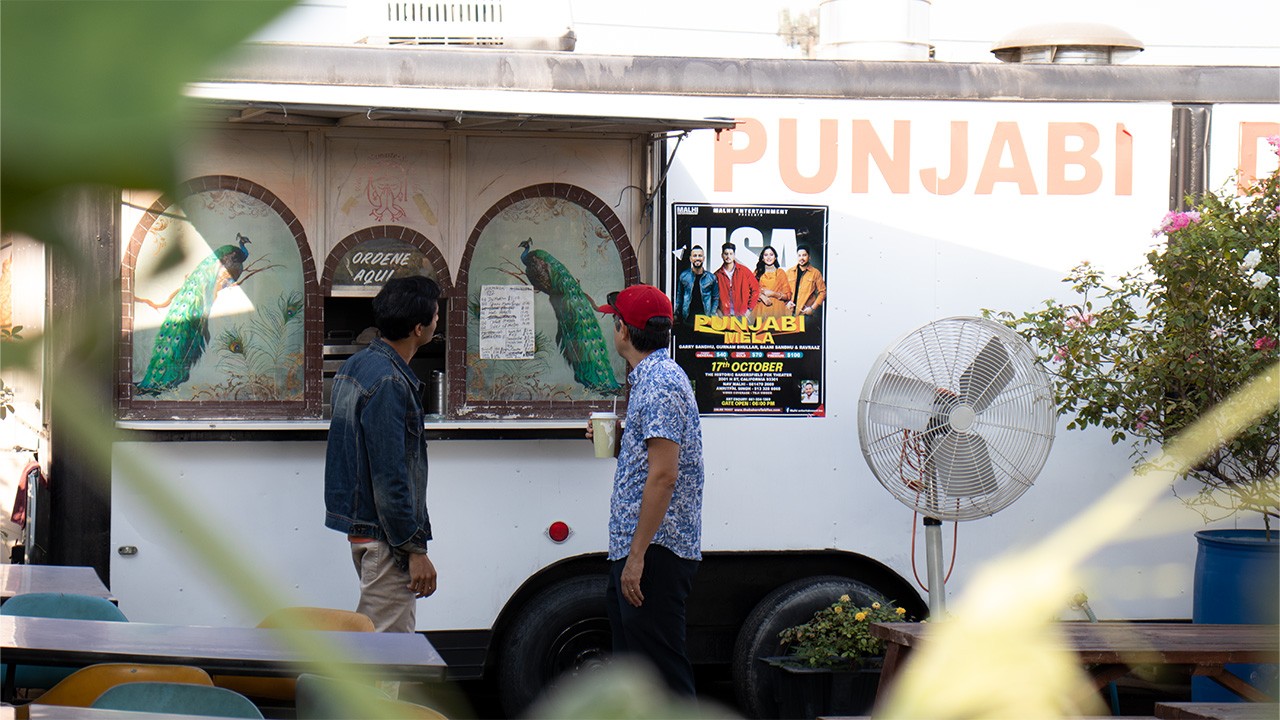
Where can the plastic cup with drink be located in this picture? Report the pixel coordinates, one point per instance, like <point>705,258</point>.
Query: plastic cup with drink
<point>604,432</point>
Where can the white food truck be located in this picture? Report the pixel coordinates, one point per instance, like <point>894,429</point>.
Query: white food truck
<point>921,191</point>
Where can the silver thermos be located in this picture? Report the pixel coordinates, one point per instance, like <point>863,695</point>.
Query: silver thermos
<point>435,404</point>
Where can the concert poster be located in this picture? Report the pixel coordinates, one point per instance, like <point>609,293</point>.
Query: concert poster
<point>749,292</point>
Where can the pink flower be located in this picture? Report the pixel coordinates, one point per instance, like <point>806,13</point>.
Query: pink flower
<point>1274,142</point>
<point>1175,221</point>
<point>1080,320</point>
<point>1143,417</point>
<point>1265,342</point>
<point>1061,354</point>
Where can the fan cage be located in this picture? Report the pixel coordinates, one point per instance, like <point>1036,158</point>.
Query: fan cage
<point>956,418</point>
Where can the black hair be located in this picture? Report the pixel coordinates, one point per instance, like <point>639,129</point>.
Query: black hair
<point>728,246</point>
<point>655,335</point>
<point>403,303</point>
<point>760,266</point>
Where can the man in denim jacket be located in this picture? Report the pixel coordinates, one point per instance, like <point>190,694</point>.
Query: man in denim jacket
<point>696,291</point>
<point>375,474</point>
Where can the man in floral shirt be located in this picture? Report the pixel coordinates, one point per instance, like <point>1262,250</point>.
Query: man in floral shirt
<point>655,515</point>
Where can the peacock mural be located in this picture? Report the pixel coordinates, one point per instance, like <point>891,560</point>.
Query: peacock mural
<point>564,253</point>
<point>171,338</point>
<point>578,332</point>
<point>184,334</point>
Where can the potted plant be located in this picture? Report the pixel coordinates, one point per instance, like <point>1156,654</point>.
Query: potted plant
<point>833,662</point>
<point>1147,354</point>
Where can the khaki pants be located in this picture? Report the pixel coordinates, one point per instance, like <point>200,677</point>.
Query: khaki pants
<point>384,588</point>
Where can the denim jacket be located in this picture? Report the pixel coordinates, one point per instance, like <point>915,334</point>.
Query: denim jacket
<point>684,294</point>
<point>375,471</point>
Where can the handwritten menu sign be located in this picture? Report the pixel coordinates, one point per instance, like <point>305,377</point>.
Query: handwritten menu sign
<point>371,264</point>
<point>506,322</point>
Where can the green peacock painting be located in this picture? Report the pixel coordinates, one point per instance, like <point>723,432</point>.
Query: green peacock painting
<point>183,335</point>
<point>577,325</point>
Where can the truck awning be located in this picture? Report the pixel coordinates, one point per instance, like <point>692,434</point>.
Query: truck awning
<point>438,108</point>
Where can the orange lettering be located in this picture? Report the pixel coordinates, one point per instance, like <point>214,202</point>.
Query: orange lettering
<point>895,169</point>
<point>727,155</point>
<point>1060,158</point>
<point>959,164</point>
<point>1006,135</point>
<point>1124,161</point>
<point>788,162</point>
<point>1250,134</point>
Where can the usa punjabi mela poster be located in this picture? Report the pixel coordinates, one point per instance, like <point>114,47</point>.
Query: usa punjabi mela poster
<point>749,291</point>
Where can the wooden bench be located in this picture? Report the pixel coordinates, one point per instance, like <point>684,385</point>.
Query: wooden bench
<point>1110,649</point>
<point>1217,711</point>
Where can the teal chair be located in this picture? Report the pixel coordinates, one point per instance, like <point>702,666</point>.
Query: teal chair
<point>178,699</point>
<point>54,605</point>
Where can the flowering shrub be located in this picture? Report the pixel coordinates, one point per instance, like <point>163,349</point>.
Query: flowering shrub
<point>1149,353</point>
<point>839,636</point>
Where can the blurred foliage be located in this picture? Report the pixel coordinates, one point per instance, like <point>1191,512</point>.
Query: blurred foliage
<point>998,655</point>
<point>90,93</point>
<point>6,400</point>
<point>621,690</point>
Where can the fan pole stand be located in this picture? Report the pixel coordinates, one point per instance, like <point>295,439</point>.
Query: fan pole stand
<point>933,560</point>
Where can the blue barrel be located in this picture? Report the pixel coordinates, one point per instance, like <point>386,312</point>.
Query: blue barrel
<point>1237,581</point>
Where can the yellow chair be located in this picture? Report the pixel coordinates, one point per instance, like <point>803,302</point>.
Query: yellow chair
<point>82,687</point>
<point>309,618</point>
<point>326,698</point>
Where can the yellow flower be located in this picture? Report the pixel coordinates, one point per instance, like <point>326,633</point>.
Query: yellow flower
<point>901,611</point>
<point>860,616</point>
<point>844,598</point>
<point>875,606</point>
<point>839,609</point>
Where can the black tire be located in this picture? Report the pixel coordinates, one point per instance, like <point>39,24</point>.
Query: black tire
<point>563,630</point>
<point>791,604</point>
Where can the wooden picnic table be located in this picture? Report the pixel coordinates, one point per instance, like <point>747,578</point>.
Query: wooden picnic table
<point>226,650</point>
<point>1217,711</point>
<point>36,711</point>
<point>22,579</point>
<point>1112,648</point>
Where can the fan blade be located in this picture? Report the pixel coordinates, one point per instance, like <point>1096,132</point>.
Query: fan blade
<point>962,466</point>
<point>901,401</point>
<point>986,376</point>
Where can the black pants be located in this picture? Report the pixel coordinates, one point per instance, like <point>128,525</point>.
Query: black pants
<point>656,629</point>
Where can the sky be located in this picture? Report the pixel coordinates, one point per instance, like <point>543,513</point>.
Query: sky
<point>1174,32</point>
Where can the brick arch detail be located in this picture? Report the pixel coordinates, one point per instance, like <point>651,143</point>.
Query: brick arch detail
<point>313,322</point>
<point>457,351</point>
<point>395,232</point>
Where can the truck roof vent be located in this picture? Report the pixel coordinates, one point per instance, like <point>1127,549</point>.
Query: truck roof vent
<point>1074,43</point>
<point>522,25</point>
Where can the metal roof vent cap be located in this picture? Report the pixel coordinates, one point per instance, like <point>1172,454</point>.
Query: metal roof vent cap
<point>1068,43</point>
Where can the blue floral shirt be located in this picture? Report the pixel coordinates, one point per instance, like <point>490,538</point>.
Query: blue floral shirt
<point>662,405</point>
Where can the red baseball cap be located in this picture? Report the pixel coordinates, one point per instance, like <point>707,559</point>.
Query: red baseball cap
<point>638,304</point>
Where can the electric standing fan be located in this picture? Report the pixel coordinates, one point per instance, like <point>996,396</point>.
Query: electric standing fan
<point>955,420</point>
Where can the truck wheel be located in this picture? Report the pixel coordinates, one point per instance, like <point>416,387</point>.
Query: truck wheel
<point>563,630</point>
<point>791,604</point>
